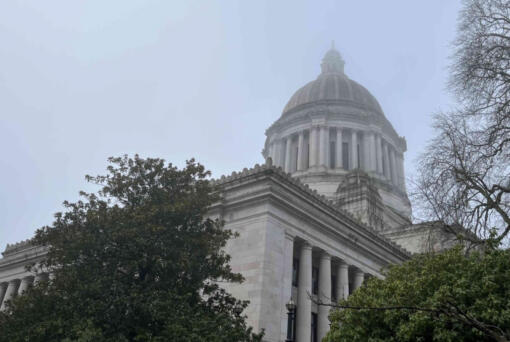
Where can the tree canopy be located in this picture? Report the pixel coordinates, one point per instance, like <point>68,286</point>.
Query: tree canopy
<point>137,261</point>
<point>441,297</point>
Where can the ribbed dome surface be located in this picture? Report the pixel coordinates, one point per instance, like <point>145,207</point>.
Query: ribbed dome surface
<point>333,86</point>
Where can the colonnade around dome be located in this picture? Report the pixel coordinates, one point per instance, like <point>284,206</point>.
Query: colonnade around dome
<point>326,148</point>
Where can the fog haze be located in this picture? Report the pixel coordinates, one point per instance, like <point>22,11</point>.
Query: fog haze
<point>84,80</point>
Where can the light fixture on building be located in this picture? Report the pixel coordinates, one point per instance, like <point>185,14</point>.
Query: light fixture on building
<point>291,309</point>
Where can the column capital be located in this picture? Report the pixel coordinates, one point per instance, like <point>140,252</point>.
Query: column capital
<point>325,255</point>
<point>289,235</point>
<point>343,264</point>
<point>306,245</point>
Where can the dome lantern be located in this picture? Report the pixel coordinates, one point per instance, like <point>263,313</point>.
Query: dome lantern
<point>332,61</point>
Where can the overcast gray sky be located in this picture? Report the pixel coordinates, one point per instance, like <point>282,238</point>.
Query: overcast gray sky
<point>84,80</point>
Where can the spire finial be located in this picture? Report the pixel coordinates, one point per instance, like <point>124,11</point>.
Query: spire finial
<point>332,61</point>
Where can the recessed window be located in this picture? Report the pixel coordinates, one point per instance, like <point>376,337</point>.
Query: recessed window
<point>315,280</point>
<point>332,154</point>
<point>313,337</point>
<point>345,156</point>
<point>295,272</point>
<point>359,157</point>
<point>333,288</point>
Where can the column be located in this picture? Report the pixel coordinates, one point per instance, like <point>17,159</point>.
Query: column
<point>359,277</point>
<point>25,283</point>
<point>3,289</point>
<point>342,280</point>
<point>276,152</point>
<point>366,151</point>
<point>272,153</point>
<point>301,151</point>
<point>324,147</point>
<point>304,304</point>
<point>402,172</point>
<point>386,161</point>
<point>324,295</point>
<point>393,167</point>
<point>288,256</point>
<point>354,150</point>
<point>378,144</point>
<point>281,150</point>
<point>373,152</point>
<point>288,154</point>
<point>12,289</point>
<point>339,150</point>
<point>313,146</point>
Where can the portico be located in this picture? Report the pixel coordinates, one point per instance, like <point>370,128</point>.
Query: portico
<point>294,243</point>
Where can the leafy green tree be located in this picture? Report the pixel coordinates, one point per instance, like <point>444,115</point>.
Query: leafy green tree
<point>138,261</point>
<point>442,297</point>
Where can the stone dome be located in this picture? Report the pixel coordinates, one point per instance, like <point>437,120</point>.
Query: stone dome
<point>333,87</point>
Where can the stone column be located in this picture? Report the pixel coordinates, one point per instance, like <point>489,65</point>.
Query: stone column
<point>3,289</point>
<point>402,172</point>
<point>366,151</point>
<point>12,289</point>
<point>288,257</point>
<point>373,152</point>
<point>304,304</point>
<point>324,295</point>
<point>313,146</point>
<point>301,151</point>
<point>342,280</point>
<point>386,161</point>
<point>288,156</point>
<point>394,174</point>
<point>398,162</point>
<point>25,283</point>
<point>282,148</point>
<point>378,144</point>
<point>324,147</point>
<point>271,152</point>
<point>339,151</point>
<point>354,150</point>
<point>276,152</point>
<point>359,277</point>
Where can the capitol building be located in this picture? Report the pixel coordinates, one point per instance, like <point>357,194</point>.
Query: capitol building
<point>326,209</point>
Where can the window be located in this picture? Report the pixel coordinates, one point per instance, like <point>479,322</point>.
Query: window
<point>313,338</point>
<point>295,272</point>
<point>308,156</point>
<point>332,154</point>
<point>359,157</point>
<point>345,156</point>
<point>384,165</point>
<point>333,288</point>
<point>296,158</point>
<point>315,280</point>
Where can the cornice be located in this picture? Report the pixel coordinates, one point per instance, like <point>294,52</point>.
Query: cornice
<point>268,169</point>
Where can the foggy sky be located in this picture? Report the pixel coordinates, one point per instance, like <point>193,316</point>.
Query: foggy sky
<point>84,80</point>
